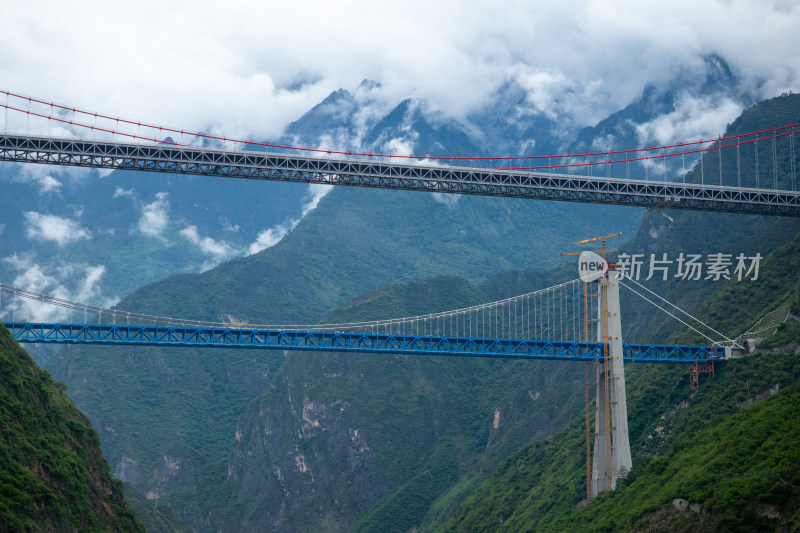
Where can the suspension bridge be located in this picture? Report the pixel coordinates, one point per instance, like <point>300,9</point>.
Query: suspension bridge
<point>755,181</point>
<point>501,329</point>
<point>758,175</point>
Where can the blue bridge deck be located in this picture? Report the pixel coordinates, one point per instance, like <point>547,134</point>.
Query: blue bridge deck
<point>335,341</point>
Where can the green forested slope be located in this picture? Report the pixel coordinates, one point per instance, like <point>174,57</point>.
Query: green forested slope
<point>161,408</point>
<point>385,436</point>
<point>739,464</point>
<point>169,417</point>
<point>740,475</point>
<point>52,474</point>
<point>740,304</point>
<point>358,240</point>
<point>675,231</point>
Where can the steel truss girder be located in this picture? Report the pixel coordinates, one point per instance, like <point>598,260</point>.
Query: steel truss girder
<point>390,175</point>
<point>334,341</point>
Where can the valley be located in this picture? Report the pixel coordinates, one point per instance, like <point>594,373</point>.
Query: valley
<point>236,440</point>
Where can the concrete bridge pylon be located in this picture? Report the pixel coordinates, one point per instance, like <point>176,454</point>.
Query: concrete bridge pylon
<point>612,451</point>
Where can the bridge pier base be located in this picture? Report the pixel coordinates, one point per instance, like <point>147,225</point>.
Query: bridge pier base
<point>612,452</point>
<point>700,368</point>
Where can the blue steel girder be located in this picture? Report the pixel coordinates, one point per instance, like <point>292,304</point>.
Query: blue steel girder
<point>391,175</point>
<point>349,342</point>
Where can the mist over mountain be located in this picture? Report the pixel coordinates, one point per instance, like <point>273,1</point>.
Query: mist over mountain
<point>519,120</point>
<point>94,236</point>
<point>226,438</point>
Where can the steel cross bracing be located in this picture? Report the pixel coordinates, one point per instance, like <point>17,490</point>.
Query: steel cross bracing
<point>349,342</point>
<point>391,175</point>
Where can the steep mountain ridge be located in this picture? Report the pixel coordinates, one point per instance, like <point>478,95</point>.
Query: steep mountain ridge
<point>321,263</point>
<point>354,241</point>
<point>710,461</point>
<point>710,90</point>
<point>52,474</point>
<point>442,413</point>
<point>673,232</point>
<point>92,236</point>
<point>705,458</point>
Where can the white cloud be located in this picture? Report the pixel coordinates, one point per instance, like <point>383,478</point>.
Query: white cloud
<point>33,277</point>
<point>208,245</point>
<point>451,53</point>
<point>88,289</point>
<point>450,200</point>
<point>49,184</point>
<point>59,230</point>
<point>316,192</point>
<point>544,88</point>
<point>155,217</point>
<point>398,146</point>
<point>40,175</point>
<point>692,117</point>
<point>270,237</point>
<point>68,281</point>
<point>120,193</point>
<point>48,178</point>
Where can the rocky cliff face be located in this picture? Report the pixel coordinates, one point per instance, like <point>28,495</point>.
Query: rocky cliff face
<point>347,442</point>
<point>302,458</point>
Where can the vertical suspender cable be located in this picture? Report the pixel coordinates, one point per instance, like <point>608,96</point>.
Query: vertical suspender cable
<point>791,150</point>
<point>561,314</point>
<point>627,166</point>
<point>527,324</point>
<point>702,170</point>
<point>755,147</point>
<point>774,164</point>
<point>738,163</point>
<point>683,167</point>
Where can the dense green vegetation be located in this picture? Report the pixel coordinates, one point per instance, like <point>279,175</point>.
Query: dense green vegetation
<point>740,465</point>
<point>400,236</point>
<point>189,398</point>
<point>52,475</point>
<point>739,304</point>
<point>236,440</point>
<point>154,519</point>
<point>676,231</point>
<point>673,232</point>
<point>425,422</point>
<point>737,464</point>
<point>148,403</point>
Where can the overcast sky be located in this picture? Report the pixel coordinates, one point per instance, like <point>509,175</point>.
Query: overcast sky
<point>252,67</point>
